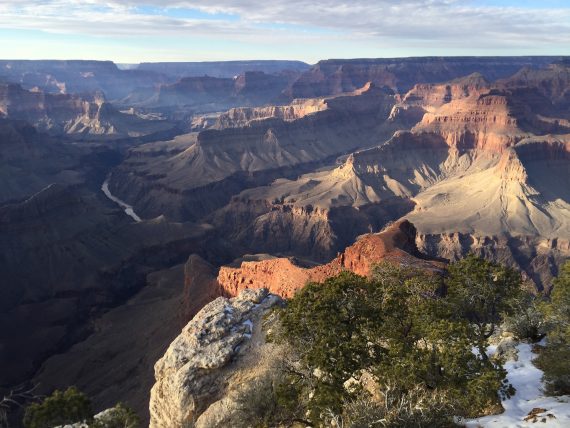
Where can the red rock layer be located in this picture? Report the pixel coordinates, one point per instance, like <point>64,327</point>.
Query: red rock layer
<point>281,276</point>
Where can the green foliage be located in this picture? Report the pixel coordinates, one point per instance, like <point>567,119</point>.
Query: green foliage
<point>269,401</point>
<point>526,320</point>
<point>481,291</point>
<point>401,328</point>
<point>60,408</point>
<point>72,406</point>
<point>331,324</point>
<point>557,311</point>
<point>554,360</point>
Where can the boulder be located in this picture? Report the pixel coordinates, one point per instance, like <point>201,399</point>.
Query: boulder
<point>200,363</point>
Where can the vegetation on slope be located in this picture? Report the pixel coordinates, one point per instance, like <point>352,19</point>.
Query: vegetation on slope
<point>393,350</point>
<point>554,359</point>
<point>72,406</point>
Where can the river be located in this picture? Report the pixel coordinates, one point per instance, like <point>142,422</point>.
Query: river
<point>126,207</point>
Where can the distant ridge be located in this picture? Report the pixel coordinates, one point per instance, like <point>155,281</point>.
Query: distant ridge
<point>222,68</point>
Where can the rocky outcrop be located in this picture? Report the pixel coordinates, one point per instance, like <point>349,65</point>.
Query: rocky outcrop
<point>334,76</point>
<point>78,76</point>
<point>243,116</point>
<point>89,116</point>
<point>206,359</point>
<point>537,258</point>
<point>221,163</point>
<point>481,162</point>
<point>284,277</point>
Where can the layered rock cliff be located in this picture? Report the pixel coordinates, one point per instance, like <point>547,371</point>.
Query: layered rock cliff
<point>480,162</point>
<point>283,276</point>
<point>334,76</point>
<point>78,76</point>
<point>89,116</point>
<point>205,93</point>
<point>243,116</point>
<point>221,163</point>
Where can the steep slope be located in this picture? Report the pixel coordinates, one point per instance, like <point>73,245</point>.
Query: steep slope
<point>115,363</point>
<point>479,168</point>
<point>29,161</point>
<point>282,276</point>
<point>67,255</point>
<point>334,76</point>
<point>170,177</point>
<point>77,76</point>
<point>203,93</point>
<point>81,117</point>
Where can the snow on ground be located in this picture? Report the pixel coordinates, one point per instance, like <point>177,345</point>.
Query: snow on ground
<point>126,207</point>
<point>527,379</point>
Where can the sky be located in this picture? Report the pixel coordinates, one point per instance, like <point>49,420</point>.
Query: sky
<point>130,31</point>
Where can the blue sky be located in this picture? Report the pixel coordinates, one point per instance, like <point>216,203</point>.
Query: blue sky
<point>131,31</point>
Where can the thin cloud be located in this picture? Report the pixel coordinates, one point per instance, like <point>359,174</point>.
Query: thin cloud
<point>420,23</point>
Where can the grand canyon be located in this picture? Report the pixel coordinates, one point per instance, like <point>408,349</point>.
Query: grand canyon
<point>241,243</point>
<point>132,198</point>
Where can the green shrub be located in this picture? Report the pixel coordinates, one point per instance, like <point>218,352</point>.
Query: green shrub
<point>481,292</point>
<point>269,401</point>
<point>526,320</point>
<point>554,359</point>
<point>72,406</point>
<point>60,408</point>
<point>331,326</point>
<point>401,328</point>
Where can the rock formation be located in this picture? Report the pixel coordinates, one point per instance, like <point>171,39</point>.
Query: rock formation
<point>81,117</point>
<point>220,68</point>
<point>78,76</point>
<point>170,177</point>
<point>209,358</point>
<point>283,277</point>
<point>334,76</point>
<point>480,170</point>
<point>201,375</point>
<point>203,93</point>
<point>475,163</point>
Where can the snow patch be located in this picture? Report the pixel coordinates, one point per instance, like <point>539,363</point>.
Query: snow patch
<point>527,379</point>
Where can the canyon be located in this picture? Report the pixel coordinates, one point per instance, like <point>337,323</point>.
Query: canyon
<point>131,198</point>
